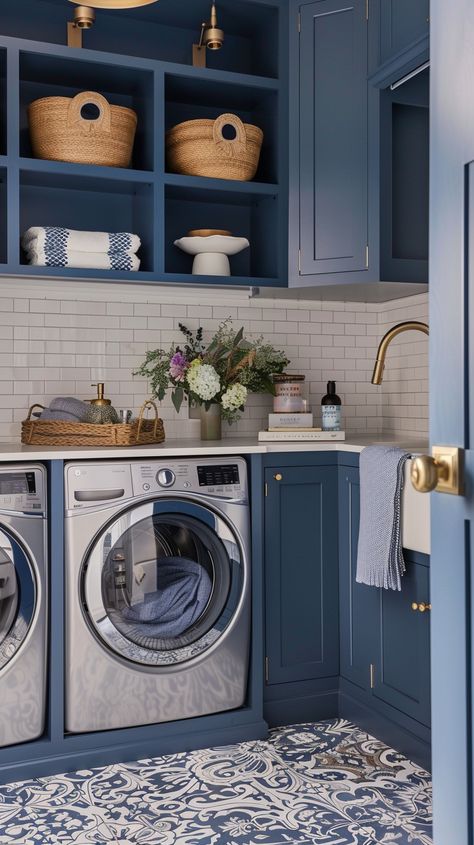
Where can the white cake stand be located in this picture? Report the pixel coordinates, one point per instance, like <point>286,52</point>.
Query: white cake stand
<point>211,255</point>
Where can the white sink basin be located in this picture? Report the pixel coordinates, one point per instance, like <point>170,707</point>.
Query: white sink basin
<point>415,516</point>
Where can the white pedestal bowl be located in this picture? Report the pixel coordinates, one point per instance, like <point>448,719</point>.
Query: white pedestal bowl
<point>211,254</point>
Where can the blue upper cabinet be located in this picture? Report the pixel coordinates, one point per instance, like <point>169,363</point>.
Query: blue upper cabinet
<point>333,138</point>
<point>301,574</point>
<point>402,22</point>
<point>359,153</point>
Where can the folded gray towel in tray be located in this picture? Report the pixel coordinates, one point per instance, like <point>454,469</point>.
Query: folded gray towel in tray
<point>380,560</point>
<point>75,407</point>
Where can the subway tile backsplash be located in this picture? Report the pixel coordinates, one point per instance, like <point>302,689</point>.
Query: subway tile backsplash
<point>58,338</point>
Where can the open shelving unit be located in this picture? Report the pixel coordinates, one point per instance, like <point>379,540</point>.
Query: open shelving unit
<point>247,77</point>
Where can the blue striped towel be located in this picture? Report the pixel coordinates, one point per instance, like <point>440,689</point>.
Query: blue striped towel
<point>380,560</point>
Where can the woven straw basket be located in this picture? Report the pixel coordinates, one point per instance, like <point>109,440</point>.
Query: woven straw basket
<point>59,132</point>
<point>141,432</point>
<point>198,148</point>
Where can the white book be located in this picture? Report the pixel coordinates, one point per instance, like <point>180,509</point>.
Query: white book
<point>302,436</point>
<point>290,420</point>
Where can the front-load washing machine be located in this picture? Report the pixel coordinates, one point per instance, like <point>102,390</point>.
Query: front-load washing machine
<point>23,602</point>
<point>157,591</point>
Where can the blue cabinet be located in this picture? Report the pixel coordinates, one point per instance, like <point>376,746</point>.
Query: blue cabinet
<point>359,153</point>
<point>402,668</point>
<point>333,172</point>
<point>301,576</point>
<point>358,603</point>
<point>402,22</point>
<point>385,643</point>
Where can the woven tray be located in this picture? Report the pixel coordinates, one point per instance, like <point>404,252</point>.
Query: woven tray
<point>140,432</point>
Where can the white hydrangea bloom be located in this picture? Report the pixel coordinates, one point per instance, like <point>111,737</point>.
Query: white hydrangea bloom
<point>234,397</point>
<point>203,381</point>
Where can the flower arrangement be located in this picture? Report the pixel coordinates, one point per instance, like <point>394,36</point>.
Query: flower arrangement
<point>222,372</point>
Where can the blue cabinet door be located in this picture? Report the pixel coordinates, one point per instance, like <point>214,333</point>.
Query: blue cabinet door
<point>358,604</point>
<point>333,137</point>
<point>401,23</point>
<point>402,669</point>
<point>301,573</point>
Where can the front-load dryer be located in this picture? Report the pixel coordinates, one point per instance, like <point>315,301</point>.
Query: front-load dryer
<point>23,602</point>
<point>157,591</point>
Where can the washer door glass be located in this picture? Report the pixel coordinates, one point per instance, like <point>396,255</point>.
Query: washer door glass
<point>162,582</point>
<point>17,597</point>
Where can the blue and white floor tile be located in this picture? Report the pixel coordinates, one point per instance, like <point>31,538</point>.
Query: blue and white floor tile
<point>327,783</point>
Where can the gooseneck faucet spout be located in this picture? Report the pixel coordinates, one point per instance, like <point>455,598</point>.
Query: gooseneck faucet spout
<point>408,325</point>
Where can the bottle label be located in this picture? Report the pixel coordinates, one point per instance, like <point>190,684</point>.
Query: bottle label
<point>331,417</point>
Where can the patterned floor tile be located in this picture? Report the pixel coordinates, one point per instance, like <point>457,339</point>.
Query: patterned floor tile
<point>327,783</point>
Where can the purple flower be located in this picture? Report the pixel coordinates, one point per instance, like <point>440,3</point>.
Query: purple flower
<point>178,366</point>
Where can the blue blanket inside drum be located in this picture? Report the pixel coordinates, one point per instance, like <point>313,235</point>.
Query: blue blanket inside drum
<point>183,591</point>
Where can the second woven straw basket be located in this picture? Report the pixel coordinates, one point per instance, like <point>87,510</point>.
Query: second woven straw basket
<point>199,148</point>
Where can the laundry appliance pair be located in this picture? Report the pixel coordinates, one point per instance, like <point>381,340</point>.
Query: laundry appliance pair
<point>158,597</point>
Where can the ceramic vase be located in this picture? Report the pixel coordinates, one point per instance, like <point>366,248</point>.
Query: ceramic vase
<point>211,422</point>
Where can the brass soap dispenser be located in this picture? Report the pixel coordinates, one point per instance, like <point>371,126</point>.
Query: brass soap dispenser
<point>101,411</point>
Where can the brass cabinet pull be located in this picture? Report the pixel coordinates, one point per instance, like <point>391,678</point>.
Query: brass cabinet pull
<point>421,606</point>
<point>278,476</point>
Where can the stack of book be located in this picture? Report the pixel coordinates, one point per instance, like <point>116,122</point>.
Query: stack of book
<point>296,427</point>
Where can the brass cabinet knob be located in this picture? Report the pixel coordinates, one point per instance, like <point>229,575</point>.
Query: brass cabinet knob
<point>426,472</point>
<point>278,476</point>
<point>421,606</point>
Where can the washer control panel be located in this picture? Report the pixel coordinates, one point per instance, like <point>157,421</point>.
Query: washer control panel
<point>223,478</point>
<point>22,490</point>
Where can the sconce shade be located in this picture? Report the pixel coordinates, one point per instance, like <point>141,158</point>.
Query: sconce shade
<point>114,4</point>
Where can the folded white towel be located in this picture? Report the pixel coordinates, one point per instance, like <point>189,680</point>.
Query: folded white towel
<point>37,257</point>
<point>57,238</point>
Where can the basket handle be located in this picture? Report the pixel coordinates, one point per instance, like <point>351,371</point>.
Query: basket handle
<point>147,404</point>
<point>36,405</point>
<point>237,145</point>
<point>28,419</point>
<point>74,113</point>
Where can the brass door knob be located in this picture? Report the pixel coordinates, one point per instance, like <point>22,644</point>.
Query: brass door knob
<point>442,472</point>
<point>426,472</point>
<point>421,606</point>
<point>278,476</point>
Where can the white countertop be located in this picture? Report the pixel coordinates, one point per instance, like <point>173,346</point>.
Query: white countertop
<point>196,448</point>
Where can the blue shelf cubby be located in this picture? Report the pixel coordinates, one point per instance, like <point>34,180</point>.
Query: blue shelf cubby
<point>246,214</point>
<point>58,76</point>
<point>87,202</point>
<point>255,102</point>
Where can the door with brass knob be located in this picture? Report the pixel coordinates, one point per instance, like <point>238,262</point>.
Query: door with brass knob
<point>441,472</point>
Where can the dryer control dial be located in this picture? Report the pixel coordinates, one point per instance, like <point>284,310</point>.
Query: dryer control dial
<point>166,477</point>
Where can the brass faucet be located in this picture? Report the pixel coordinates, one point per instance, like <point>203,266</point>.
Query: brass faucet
<point>406,326</point>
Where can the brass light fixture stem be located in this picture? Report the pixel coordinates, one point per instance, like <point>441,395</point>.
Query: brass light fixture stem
<point>408,325</point>
<point>84,18</point>
<point>211,38</point>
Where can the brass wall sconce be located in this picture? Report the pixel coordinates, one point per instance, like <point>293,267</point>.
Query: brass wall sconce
<point>211,38</point>
<point>84,18</point>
